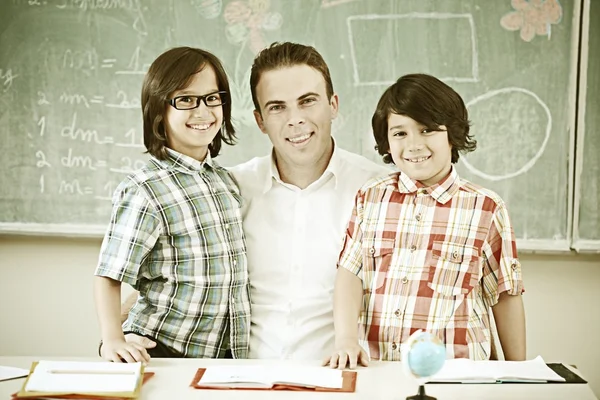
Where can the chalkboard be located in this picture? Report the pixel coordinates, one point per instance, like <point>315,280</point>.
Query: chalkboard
<point>587,199</point>
<point>71,73</point>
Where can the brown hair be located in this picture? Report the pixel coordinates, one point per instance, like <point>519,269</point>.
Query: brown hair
<point>287,54</point>
<point>431,103</point>
<point>172,71</point>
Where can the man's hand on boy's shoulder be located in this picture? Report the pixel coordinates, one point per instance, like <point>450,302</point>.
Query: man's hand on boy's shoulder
<point>348,353</point>
<point>129,350</point>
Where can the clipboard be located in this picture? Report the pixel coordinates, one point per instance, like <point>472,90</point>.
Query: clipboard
<point>348,384</point>
<point>25,395</point>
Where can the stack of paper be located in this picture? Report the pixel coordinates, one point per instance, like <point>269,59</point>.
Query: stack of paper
<point>469,371</point>
<point>96,379</point>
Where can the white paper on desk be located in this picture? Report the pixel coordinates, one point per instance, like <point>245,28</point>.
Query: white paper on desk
<point>263,376</point>
<point>469,371</point>
<point>7,373</point>
<point>42,380</point>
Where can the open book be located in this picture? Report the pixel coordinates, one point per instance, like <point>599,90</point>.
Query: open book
<point>95,379</point>
<point>469,371</point>
<point>265,377</point>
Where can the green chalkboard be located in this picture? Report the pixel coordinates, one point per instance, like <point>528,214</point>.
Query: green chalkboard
<point>71,73</point>
<point>587,224</point>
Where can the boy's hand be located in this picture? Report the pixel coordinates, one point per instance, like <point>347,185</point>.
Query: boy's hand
<point>141,340</point>
<point>118,350</point>
<point>347,353</point>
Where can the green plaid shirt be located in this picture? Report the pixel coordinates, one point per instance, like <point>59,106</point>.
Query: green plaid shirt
<point>175,235</point>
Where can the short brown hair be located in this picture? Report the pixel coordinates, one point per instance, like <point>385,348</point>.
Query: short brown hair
<point>287,54</point>
<point>172,71</point>
<point>431,103</point>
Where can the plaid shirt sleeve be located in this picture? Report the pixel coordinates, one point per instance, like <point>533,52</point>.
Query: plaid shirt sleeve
<point>132,232</point>
<point>501,268</point>
<point>351,254</point>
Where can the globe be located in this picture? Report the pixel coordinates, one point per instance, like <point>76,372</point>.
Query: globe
<point>423,355</point>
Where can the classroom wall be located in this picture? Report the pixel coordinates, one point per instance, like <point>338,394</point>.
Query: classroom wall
<point>46,302</point>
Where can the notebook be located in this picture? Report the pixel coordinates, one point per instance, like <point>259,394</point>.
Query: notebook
<point>275,378</point>
<point>462,370</point>
<point>71,379</point>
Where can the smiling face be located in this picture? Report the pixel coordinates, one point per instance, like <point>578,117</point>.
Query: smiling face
<point>421,153</point>
<point>190,132</point>
<point>296,114</point>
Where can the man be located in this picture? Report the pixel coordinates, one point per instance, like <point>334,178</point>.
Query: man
<point>298,201</point>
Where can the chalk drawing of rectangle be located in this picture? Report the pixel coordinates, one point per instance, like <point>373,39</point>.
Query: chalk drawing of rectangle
<point>405,43</point>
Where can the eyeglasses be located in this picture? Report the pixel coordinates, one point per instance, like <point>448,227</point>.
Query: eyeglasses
<point>189,102</point>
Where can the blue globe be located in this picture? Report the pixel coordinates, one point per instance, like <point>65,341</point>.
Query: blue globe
<point>426,354</point>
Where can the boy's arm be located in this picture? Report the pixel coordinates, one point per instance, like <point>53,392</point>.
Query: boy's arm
<point>510,322</point>
<point>128,305</point>
<point>347,300</point>
<point>107,294</point>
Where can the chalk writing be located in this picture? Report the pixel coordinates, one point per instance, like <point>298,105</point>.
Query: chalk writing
<point>90,5</point>
<point>73,99</point>
<point>135,66</point>
<point>128,165</point>
<point>42,99</point>
<point>41,163</point>
<point>42,124</point>
<point>84,135</point>
<point>108,190</point>
<point>132,136</point>
<point>7,78</point>
<point>124,102</point>
<point>80,59</point>
<point>71,161</point>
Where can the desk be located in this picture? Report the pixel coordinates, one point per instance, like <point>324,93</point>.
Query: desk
<point>381,380</point>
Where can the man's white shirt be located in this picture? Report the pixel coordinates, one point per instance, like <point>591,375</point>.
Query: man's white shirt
<point>294,238</point>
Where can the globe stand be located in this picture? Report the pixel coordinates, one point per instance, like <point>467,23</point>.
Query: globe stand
<point>421,395</point>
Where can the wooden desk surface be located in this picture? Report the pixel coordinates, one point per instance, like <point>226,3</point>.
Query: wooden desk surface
<point>381,380</point>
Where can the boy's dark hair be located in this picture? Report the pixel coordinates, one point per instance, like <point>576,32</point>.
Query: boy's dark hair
<point>287,54</point>
<point>431,103</point>
<point>172,71</point>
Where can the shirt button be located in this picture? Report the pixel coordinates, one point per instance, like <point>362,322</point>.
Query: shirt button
<point>397,313</point>
<point>372,250</point>
<point>418,217</point>
<point>413,248</point>
<point>455,254</point>
<point>422,191</point>
<point>226,227</point>
<point>394,346</point>
<point>234,263</point>
<point>404,280</point>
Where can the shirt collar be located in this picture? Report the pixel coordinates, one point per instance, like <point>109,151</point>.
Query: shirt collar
<point>442,191</point>
<point>334,168</point>
<point>185,164</point>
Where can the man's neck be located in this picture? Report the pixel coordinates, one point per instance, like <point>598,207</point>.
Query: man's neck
<point>302,176</point>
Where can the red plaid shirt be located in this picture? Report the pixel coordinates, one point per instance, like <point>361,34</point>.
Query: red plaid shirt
<point>432,258</point>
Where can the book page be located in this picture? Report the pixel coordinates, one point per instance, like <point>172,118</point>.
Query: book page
<point>7,373</point>
<point>261,376</point>
<point>83,377</point>
<point>466,370</point>
<point>530,370</point>
<point>235,376</point>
